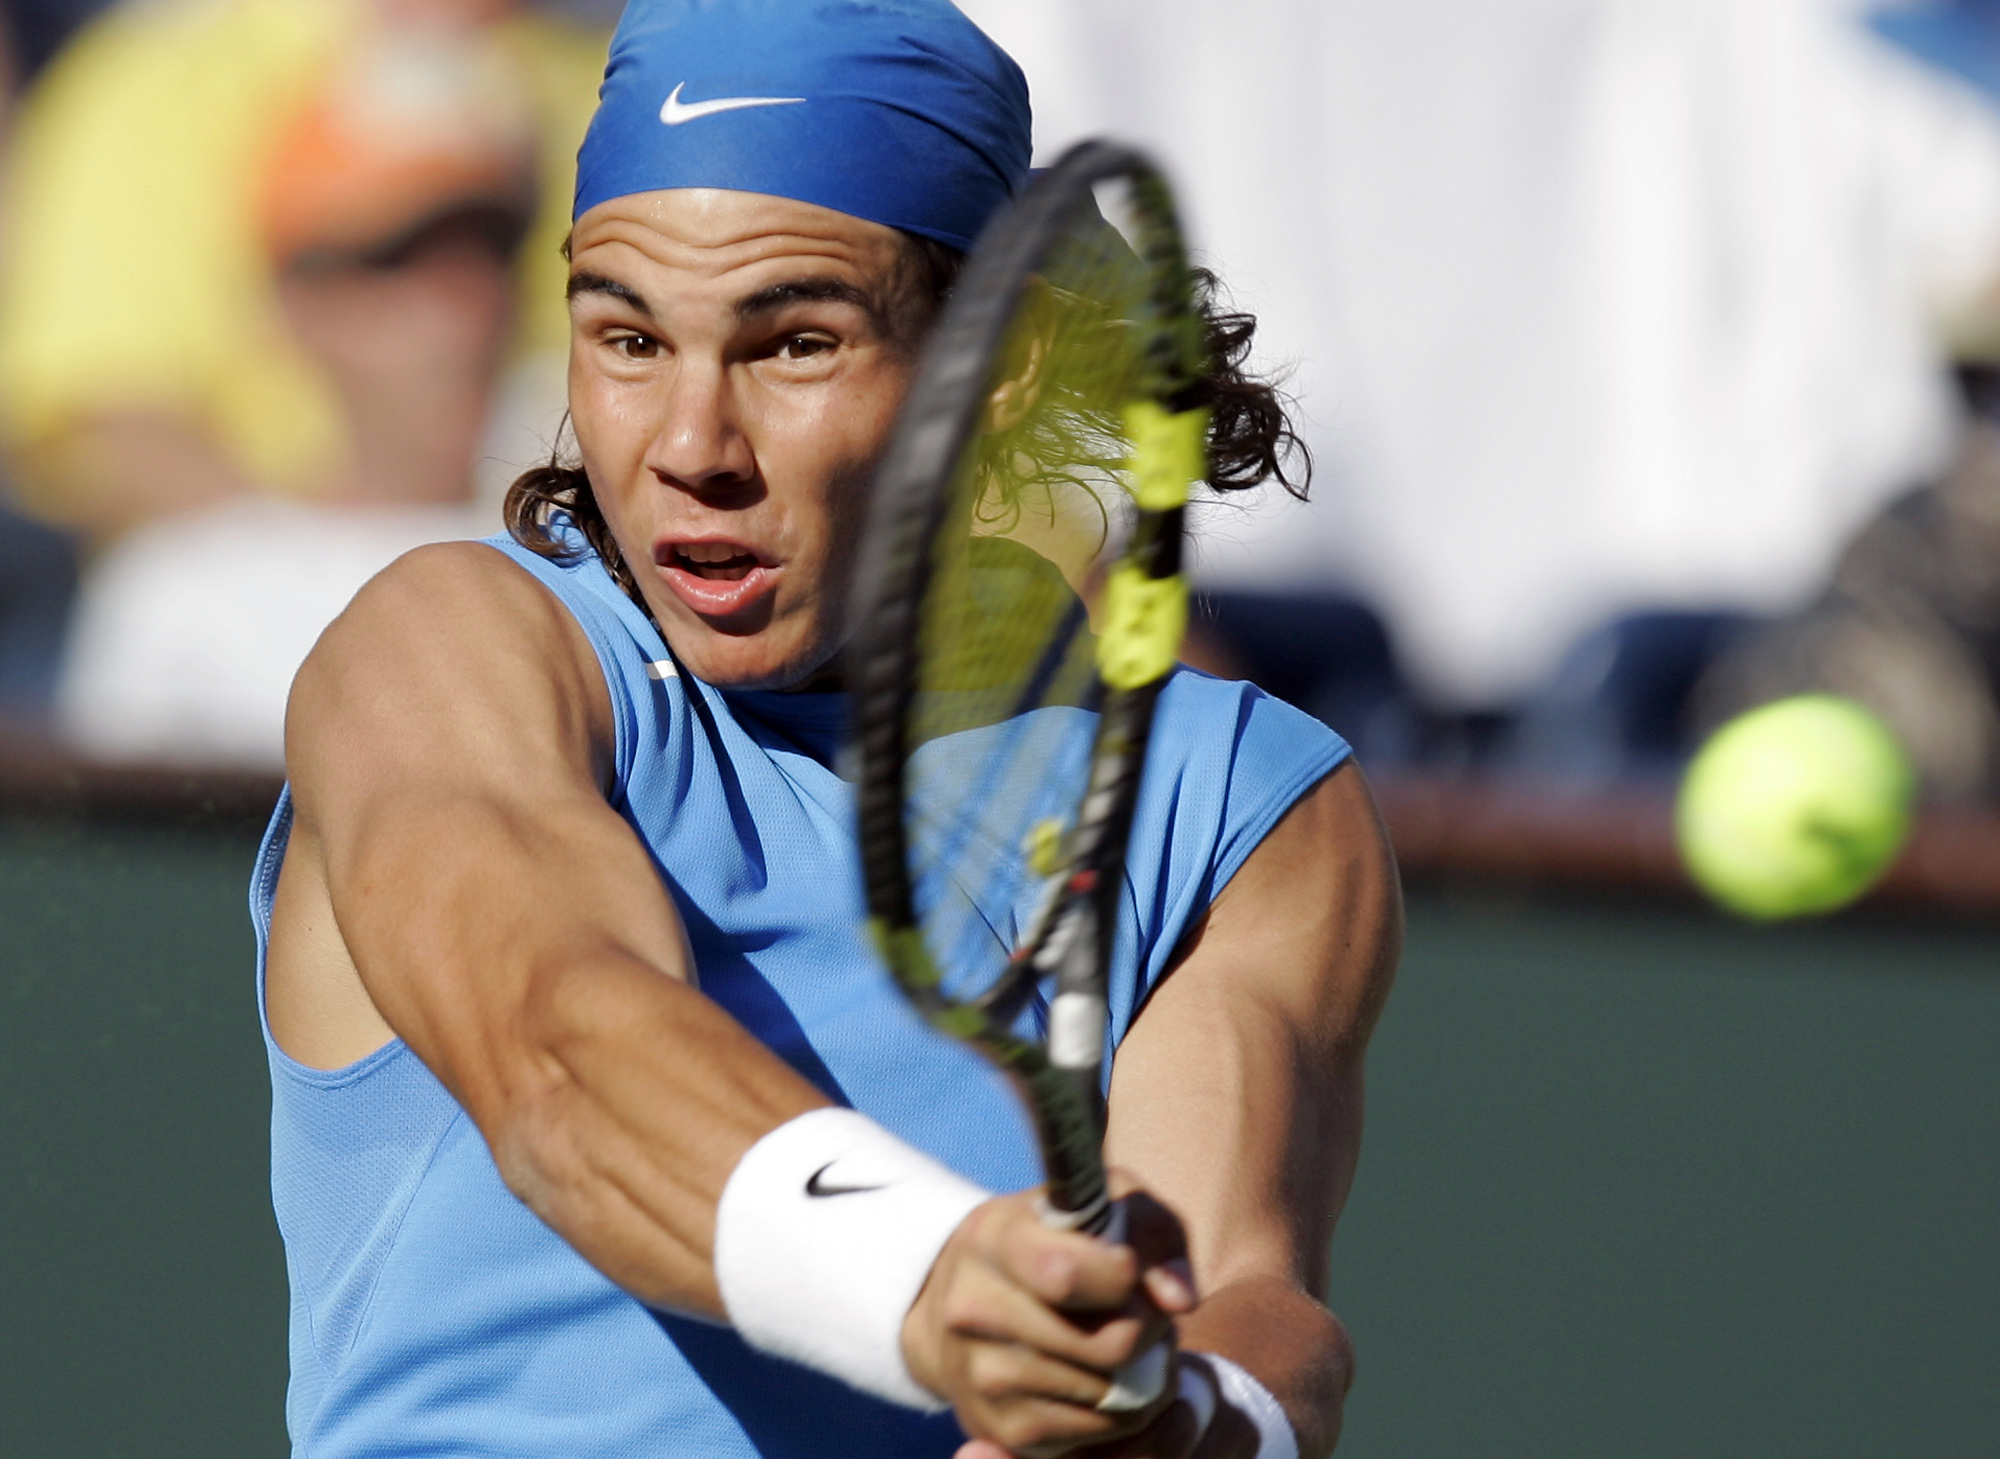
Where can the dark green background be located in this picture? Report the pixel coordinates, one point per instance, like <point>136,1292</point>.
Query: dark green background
<point>1638,1182</point>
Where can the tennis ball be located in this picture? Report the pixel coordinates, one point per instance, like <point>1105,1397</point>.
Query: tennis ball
<point>1795,808</point>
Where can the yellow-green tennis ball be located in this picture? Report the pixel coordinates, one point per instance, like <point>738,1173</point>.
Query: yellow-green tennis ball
<point>1795,808</point>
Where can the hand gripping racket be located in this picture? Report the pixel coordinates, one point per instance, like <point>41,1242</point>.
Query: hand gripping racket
<point>1020,603</point>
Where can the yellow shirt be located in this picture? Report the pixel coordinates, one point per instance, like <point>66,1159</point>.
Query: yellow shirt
<point>133,275</point>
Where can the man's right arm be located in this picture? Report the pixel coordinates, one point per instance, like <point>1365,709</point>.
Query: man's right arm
<point>448,743</point>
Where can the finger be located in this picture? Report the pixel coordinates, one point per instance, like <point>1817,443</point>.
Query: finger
<point>1174,1434</point>
<point>1067,1269</point>
<point>1004,1372</point>
<point>981,1449</point>
<point>986,1304</point>
<point>1171,1287</point>
<point>1157,1237</point>
<point>1030,1427</point>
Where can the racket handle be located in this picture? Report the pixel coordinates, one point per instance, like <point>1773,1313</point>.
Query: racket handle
<point>1139,1381</point>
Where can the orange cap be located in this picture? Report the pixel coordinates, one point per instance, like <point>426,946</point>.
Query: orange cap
<point>414,126</point>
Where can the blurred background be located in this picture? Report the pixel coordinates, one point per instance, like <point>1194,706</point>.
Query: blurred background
<point>1649,354</point>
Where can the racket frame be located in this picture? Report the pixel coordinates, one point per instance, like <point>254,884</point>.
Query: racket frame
<point>1143,615</point>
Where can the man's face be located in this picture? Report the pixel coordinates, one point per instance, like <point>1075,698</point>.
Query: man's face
<point>736,363</point>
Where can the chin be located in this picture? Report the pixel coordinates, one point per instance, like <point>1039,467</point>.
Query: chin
<point>744,663</point>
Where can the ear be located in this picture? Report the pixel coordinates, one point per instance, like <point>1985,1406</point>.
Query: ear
<point>1025,362</point>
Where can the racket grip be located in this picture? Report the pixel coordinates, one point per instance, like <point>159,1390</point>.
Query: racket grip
<point>1139,1381</point>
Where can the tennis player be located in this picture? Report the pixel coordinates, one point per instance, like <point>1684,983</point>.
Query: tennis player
<point>598,1129</point>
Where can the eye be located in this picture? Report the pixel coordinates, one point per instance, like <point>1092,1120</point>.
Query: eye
<point>636,346</point>
<point>804,346</point>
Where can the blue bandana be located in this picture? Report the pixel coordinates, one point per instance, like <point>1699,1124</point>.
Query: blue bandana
<point>898,111</point>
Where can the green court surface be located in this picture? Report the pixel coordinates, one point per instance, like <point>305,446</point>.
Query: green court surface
<point>1644,1182</point>
<point>1637,1183</point>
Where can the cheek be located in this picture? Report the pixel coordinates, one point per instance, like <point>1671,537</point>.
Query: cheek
<point>611,430</point>
<point>875,412</point>
<point>857,434</point>
<point>611,438</point>
<point>823,447</point>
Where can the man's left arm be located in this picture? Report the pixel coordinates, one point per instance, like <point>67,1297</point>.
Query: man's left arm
<point>1236,1097</point>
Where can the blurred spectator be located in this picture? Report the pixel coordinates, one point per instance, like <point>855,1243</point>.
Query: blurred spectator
<point>260,293</point>
<point>37,584</point>
<point>1910,626</point>
<point>37,565</point>
<point>37,30</point>
<point>1619,705</point>
<point>1910,621</point>
<point>1604,306</point>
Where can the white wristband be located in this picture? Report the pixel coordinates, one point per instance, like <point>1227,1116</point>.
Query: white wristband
<point>825,1234</point>
<point>1235,1387</point>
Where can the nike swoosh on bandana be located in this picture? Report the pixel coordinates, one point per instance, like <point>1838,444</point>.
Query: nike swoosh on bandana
<point>676,112</point>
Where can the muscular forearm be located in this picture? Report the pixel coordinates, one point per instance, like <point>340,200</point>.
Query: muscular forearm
<point>644,1096</point>
<point>556,1007</point>
<point>1237,1095</point>
<point>1289,1343</point>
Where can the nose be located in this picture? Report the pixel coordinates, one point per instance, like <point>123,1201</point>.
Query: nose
<point>699,446</point>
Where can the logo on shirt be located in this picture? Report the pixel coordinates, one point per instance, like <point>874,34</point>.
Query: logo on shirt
<point>677,112</point>
<point>818,1187</point>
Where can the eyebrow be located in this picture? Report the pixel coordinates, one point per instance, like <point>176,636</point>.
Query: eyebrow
<point>818,290</point>
<point>584,282</point>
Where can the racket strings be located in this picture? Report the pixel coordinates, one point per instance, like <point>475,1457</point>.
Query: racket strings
<point>1007,696</point>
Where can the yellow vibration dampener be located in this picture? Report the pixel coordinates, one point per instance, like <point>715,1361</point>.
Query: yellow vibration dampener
<point>1043,847</point>
<point>1144,621</point>
<point>1169,453</point>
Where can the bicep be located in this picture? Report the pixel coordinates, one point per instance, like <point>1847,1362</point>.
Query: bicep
<point>1236,1096</point>
<point>448,742</point>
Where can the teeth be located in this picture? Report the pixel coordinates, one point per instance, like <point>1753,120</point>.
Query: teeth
<point>711,552</point>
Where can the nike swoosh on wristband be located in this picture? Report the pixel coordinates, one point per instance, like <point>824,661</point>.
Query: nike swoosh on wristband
<point>814,1187</point>
<point>676,112</point>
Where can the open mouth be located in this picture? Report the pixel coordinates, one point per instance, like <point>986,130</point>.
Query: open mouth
<point>717,562</point>
<point>716,579</point>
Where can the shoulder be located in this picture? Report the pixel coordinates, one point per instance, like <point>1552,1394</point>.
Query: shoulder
<point>1313,919</point>
<point>1225,764</point>
<point>463,600</point>
<point>1254,742</point>
<point>452,644</point>
<point>1197,695</point>
<point>452,587</point>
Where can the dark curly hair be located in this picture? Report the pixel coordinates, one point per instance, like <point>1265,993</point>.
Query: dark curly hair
<point>1251,437</point>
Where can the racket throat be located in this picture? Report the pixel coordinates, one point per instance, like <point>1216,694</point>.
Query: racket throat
<point>1069,1114</point>
<point>1077,1023</point>
<point>1075,949</point>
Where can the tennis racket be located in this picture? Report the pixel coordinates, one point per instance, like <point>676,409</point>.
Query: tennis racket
<point>1020,604</point>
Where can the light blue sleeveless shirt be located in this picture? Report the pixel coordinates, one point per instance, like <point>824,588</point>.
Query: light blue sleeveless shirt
<point>433,1314</point>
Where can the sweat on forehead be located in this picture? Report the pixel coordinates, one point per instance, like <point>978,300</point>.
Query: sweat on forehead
<point>901,112</point>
